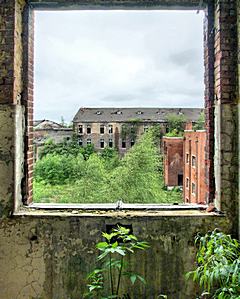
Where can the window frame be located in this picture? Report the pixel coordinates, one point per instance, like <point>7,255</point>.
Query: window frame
<point>35,4</point>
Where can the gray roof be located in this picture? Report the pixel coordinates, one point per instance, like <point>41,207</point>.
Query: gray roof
<point>128,114</point>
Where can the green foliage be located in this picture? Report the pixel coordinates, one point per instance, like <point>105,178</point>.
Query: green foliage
<point>105,281</point>
<point>137,176</point>
<point>200,124</point>
<point>110,158</point>
<point>218,271</point>
<point>70,148</point>
<point>176,124</point>
<point>104,177</point>
<point>129,129</point>
<point>59,169</point>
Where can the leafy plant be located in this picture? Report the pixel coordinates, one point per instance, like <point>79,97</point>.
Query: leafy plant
<point>218,271</point>
<point>175,124</point>
<point>113,252</point>
<point>200,124</point>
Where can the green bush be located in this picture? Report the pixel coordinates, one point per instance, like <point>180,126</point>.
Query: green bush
<point>59,169</point>
<point>218,271</point>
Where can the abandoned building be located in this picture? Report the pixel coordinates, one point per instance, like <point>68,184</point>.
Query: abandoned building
<point>194,188</point>
<point>44,130</point>
<point>173,161</point>
<point>120,127</point>
<point>46,251</point>
<point>184,165</point>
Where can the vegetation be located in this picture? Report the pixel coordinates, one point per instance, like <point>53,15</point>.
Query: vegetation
<point>105,281</point>
<point>200,124</point>
<point>218,271</point>
<point>68,173</point>
<point>176,125</point>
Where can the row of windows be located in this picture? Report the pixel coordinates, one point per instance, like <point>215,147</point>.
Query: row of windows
<point>193,186</point>
<point>89,129</point>
<point>102,142</point>
<point>194,160</point>
<point>102,129</point>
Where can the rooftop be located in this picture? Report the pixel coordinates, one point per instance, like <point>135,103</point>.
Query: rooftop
<point>127,114</point>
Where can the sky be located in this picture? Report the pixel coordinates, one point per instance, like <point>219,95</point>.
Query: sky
<point>116,59</point>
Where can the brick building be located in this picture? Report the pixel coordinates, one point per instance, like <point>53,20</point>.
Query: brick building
<point>185,164</point>
<point>173,161</point>
<point>120,127</point>
<point>194,150</point>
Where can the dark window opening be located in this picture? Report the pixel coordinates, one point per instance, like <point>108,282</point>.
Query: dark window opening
<point>102,143</point>
<point>102,130</point>
<point>193,188</point>
<point>89,141</point>
<point>80,129</point>
<point>123,144</point>
<point>110,143</point>
<point>89,130</point>
<point>132,142</point>
<point>80,142</point>
<point>110,129</point>
<point>180,179</point>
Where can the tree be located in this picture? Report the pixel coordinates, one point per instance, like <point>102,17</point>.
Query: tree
<point>137,177</point>
<point>176,124</point>
<point>200,124</point>
<point>92,185</point>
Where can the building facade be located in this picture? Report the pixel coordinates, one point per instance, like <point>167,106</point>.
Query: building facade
<point>173,161</point>
<point>121,127</point>
<point>194,150</point>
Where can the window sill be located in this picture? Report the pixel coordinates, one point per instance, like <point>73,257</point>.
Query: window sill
<point>109,210</point>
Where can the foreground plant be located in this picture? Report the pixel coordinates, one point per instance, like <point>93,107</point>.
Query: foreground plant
<point>218,271</point>
<point>105,281</point>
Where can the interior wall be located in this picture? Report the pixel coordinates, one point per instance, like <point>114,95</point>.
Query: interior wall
<point>47,255</point>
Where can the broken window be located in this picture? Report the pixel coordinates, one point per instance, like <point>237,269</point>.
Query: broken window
<point>80,141</point>
<point>110,129</point>
<point>187,182</point>
<point>193,161</point>
<point>102,129</point>
<point>102,143</point>
<point>89,129</point>
<point>187,158</point>
<point>132,142</point>
<point>123,143</point>
<point>80,129</point>
<point>110,143</point>
<point>89,141</point>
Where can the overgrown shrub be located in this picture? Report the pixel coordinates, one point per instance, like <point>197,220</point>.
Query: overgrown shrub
<point>59,169</point>
<point>218,270</point>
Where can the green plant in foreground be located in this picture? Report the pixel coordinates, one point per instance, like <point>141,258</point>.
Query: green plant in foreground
<point>104,282</point>
<point>218,271</point>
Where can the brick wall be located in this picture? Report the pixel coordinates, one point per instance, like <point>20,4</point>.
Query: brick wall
<point>194,146</point>
<point>173,160</point>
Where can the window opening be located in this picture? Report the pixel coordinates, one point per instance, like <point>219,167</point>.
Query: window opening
<point>187,182</point>
<point>145,135</point>
<point>110,143</point>
<point>89,130</point>
<point>80,129</point>
<point>193,161</point>
<point>80,142</point>
<point>102,143</point>
<point>110,129</point>
<point>102,129</point>
<point>193,188</point>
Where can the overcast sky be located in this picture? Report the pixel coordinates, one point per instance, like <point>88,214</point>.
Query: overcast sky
<point>117,59</point>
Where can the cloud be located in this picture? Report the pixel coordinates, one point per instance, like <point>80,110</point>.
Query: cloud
<point>117,58</point>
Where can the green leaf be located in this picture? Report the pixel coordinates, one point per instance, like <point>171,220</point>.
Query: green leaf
<point>133,278</point>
